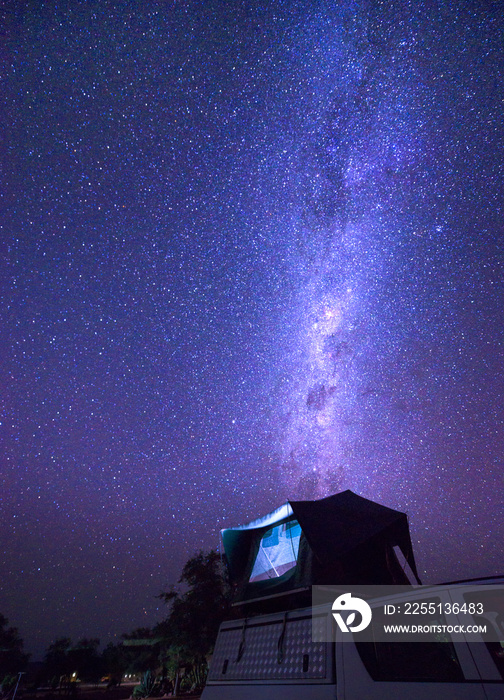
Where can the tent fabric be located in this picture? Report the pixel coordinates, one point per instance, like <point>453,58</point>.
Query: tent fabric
<point>336,525</point>
<point>344,539</point>
<point>276,516</point>
<point>278,551</point>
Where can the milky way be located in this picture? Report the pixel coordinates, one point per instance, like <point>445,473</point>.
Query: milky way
<point>251,254</point>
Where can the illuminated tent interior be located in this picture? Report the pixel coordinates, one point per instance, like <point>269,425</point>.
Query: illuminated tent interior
<point>344,539</point>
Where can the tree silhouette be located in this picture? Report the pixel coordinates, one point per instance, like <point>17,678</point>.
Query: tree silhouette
<point>85,660</point>
<point>62,659</point>
<point>195,615</point>
<point>56,661</point>
<point>12,658</point>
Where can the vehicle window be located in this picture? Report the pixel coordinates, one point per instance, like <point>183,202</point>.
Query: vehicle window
<point>434,659</point>
<point>417,661</point>
<point>492,606</point>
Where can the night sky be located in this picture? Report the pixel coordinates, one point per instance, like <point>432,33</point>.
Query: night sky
<point>251,251</point>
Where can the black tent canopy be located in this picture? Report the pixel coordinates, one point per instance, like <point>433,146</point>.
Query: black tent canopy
<point>343,539</point>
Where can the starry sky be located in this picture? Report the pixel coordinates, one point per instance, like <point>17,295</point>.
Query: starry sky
<point>251,251</point>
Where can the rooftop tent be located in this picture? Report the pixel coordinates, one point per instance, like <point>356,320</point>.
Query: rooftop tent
<point>342,539</point>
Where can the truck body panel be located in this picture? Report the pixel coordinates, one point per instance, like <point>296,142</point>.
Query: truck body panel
<point>272,657</point>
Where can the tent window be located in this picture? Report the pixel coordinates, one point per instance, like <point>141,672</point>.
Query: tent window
<point>278,551</point>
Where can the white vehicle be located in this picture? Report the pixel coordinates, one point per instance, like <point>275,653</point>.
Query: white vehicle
<point>273,657</point>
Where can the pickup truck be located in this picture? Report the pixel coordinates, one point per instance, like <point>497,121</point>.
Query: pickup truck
<point>274,657</point>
